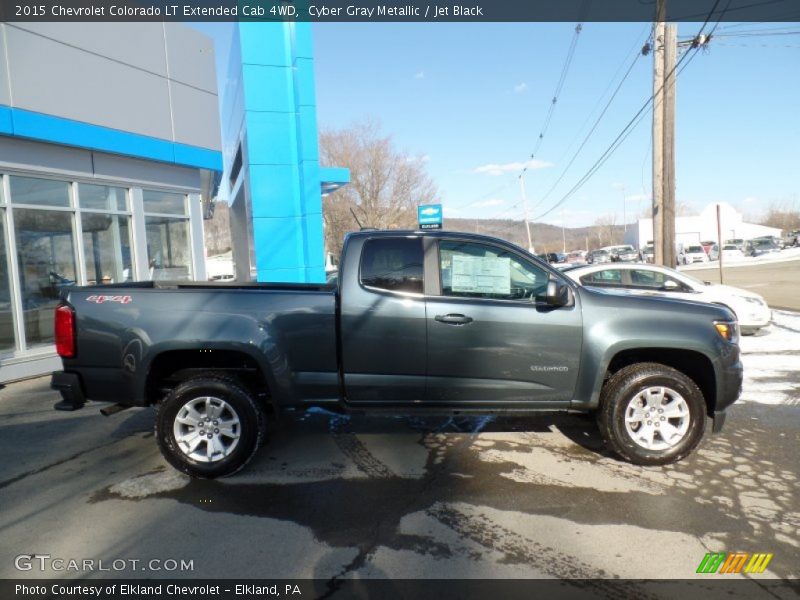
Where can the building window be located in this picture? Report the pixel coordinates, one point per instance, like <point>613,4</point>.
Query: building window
<point>106,248</point>
<point>39,192</point>
<point>164,203</point>
<point>102,197</point>
<point>106,233</point>
<point>7,338</point>
<point>46,257</point>
<point>168,252</point>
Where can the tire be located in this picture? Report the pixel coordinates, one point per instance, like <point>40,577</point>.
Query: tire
<point>674,437</point>
<point>237,426</point>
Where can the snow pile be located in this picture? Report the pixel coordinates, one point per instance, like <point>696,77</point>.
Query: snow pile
<point>772,362</point>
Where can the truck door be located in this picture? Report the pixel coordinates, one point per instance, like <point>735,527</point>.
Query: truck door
<point>491,339</point>
<point>383,326</point>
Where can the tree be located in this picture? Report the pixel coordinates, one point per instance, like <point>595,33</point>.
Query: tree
<point>782,215</point>
<point>607,231</point>
<point>386,184</point>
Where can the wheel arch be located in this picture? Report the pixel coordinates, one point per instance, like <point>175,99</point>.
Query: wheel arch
<point>170,367</point>
<point>692,363</point>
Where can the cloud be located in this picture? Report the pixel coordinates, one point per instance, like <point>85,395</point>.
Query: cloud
<point>500,169</point>
<point>489,202</point>
<point>520,87</point>
<point>419,75</point>
<point>421,158</point>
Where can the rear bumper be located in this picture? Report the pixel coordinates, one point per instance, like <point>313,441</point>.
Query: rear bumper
<point>69,385</point>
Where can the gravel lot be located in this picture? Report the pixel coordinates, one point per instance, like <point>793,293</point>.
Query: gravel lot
<point>331,496</point>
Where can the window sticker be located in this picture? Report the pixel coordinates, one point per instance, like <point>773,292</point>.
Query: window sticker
<point>481,275</point>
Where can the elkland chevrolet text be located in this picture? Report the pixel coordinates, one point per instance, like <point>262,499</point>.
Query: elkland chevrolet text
<point>435,322</point>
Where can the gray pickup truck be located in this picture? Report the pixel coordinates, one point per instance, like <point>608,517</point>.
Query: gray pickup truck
<point>435,322</point>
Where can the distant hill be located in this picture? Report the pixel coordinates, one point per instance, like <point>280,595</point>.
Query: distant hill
<point>545,238</point>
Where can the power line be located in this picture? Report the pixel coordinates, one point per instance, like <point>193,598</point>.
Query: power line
<point>591,131</point>
<point>560,84</point>
<point>637,45</point>
<point>631,125</point>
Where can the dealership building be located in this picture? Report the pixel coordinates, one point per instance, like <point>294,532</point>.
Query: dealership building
<point>691,230</point>
<point>109,146</point>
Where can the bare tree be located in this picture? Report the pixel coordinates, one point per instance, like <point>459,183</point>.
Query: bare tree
<point>217,230</point>
<point>782,215</point>
<point>607,230</point>
<point>386,184</point>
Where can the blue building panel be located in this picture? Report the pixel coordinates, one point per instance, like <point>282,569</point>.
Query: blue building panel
<point>266,43</point>
<point>269,89</point>
<point>304,82</point>
<point>6,123</point>
<point>282,159</point>
<point>58,130</point>
<point>308,136</point>
<point>271,138</point>
<point>314,241</point>
<point>301,39</point>
<point>274,191</point>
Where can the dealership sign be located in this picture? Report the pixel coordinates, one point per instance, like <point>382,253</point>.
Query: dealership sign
<point>429,216</point>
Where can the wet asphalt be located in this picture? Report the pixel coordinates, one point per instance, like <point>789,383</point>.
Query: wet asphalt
<point>333,497</point>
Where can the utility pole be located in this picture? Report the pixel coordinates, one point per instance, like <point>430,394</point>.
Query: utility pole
<point>525,209</point>
<point>624,210</point>
<point>665,42</point>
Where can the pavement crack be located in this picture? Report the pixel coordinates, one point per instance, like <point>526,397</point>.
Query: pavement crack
<point>58,463</point>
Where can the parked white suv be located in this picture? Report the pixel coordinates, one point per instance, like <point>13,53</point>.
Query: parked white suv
<point>693,254</point>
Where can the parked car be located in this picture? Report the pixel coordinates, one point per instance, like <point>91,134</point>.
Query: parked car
<point>649,254</point>
<point>577,257</point>
<point>417,322</point>
<point>599,257</point>
<point>750,308</point>
<point>791,238</point>
<point>760,248</point>
<point>692,254</point>
<point>623,253</point>
<point>549,257</point>
<point>729,252</point>
<point>738,242</point>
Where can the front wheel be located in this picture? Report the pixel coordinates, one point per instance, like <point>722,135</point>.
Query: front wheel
<point>209,426</point>
<point>651,414</point>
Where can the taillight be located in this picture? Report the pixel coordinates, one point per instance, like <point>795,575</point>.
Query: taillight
<point>65,331</point>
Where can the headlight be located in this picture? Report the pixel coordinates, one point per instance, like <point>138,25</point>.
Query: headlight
<point>729,330</point>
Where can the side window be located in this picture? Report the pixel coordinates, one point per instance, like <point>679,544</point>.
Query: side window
<point>606,277</point>
<point>472,270</point>
<point>647,279</point>
<point>393,264</point>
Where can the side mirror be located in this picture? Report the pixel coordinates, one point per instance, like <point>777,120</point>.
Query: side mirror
<point>558,293</point>
<point>671,286</point>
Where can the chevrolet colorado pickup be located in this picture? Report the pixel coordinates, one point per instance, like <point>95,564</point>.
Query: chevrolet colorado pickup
<point>436,322</point>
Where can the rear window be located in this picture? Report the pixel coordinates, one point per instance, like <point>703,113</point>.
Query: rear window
<point>393,264</point>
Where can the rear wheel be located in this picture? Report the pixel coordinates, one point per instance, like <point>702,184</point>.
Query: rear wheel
<point>651,414</point>
<point>209,426</point>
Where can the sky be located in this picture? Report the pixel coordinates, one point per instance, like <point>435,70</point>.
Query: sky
<point>469,102</point>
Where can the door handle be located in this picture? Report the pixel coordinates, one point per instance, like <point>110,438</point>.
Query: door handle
<point>453,319</point>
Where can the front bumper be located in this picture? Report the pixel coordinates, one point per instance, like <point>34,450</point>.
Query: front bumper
<point>719,421</point>
<point>69,384</point>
